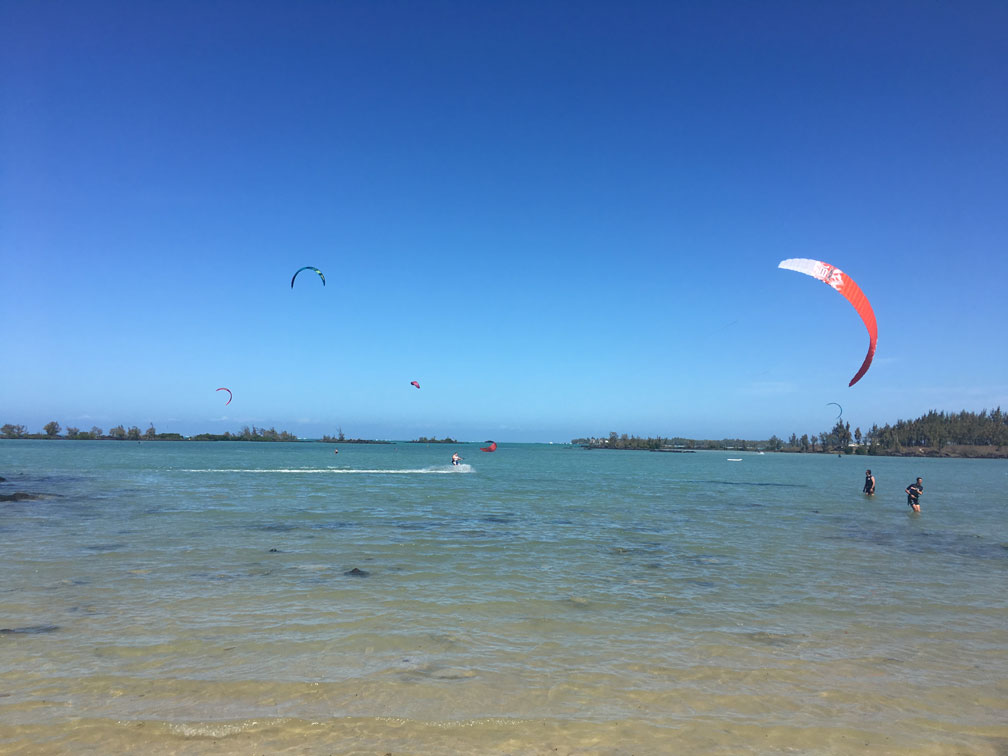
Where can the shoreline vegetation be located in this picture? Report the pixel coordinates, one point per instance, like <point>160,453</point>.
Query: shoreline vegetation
<point>936,434</point>
<point>52,431</point>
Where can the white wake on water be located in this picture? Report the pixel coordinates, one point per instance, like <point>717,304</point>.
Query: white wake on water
<point>434,470</point>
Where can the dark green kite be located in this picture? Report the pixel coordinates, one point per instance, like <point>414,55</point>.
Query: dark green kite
<point>308,267</point>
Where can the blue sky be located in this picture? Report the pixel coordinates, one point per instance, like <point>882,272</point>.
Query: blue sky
<point>561,218</point>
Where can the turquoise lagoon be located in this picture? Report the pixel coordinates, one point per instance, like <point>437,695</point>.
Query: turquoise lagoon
<point>193,598</point>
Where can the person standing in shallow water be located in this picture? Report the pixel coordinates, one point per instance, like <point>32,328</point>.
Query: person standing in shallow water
<point>869,483</point>
<point>913,492</point>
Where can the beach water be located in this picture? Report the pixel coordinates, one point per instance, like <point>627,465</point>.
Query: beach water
<point>192,598</point>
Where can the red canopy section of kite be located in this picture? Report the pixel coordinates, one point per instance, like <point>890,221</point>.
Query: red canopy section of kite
<point>414,383</point>
<point>230,395</point>
<point>492,447</point>
<point>852,292</point>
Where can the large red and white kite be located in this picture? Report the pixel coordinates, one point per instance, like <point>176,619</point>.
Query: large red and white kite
<point>845,285</point>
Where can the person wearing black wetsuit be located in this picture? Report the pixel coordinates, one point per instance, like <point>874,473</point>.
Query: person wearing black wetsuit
<point>913,492</point>
<point>869,483</point>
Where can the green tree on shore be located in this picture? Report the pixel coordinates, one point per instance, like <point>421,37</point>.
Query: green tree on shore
<point>13,431</point>
<point>52,429</point>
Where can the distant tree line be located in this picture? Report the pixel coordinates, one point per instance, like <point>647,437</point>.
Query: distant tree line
<point>52,430</point>
<point>247,434</point>
<point>120,433</point>
<point>933,431</point>
<point>627,442</point>
<point>616,441</point>
<point>940,429</point>
<point>339,438</point>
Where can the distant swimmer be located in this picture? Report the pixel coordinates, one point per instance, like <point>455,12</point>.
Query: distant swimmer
<point>913,492</point>
<point>456,459</point>
<point>335,451</point>
<point>869,483</point>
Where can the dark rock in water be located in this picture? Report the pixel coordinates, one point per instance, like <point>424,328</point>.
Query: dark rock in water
<point>31,630</point>
<point>502,519</point>
<point>3,480</point>
<point>18,496</point>
<point>770,639</point>
<point>274,551</point>
<point>357,573</point>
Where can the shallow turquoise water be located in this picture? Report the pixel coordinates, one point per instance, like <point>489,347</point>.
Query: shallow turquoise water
<point>201,597</point>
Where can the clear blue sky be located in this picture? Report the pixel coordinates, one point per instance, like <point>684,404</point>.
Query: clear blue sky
<point>561,218</point>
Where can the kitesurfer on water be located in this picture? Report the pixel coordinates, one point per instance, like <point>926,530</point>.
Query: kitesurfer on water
<point>456,459</point>
<point>869,483</point>
<point>913,492</point>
